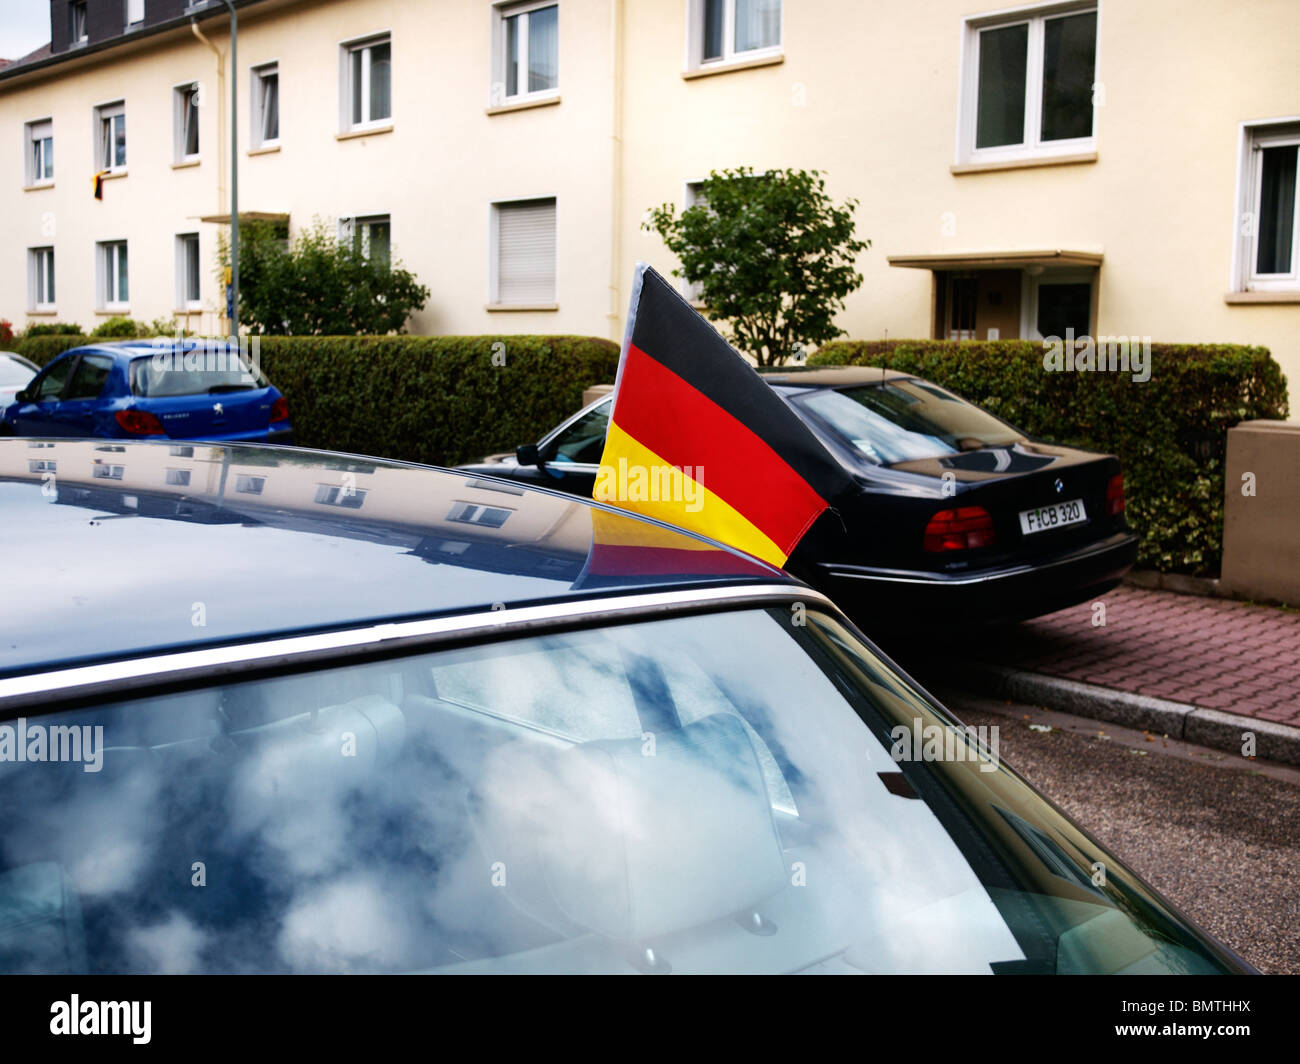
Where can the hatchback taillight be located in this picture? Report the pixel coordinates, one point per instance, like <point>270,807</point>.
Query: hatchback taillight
<point>1115,495</point>
<point>280,410</point>
<point>139,423</point>
<point>965,528</point>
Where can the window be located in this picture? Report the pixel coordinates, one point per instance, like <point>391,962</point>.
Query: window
<point>77,23</point>
<point>524,260</point>
<point>247,485</point>
<point>1028,85</point>
<point>266,105</point>
<point>92,374</point>
<point>583,441</point>
<point>723,31</point>
<point>1269,226</point>
<point>1057,301</point>
<point>188,295</point>
<point>334,495</point>
<point>367,83</point>
<point>528,37</point>
<point>40,152</point>
<point>693,292</point>
<point>114,287</point>
<point>50,384</point>
<point>371,235</point>
<point>40,278</point>
<point>178,478</point>
<point>100,471</point>
<point>186,108</point>
<point>181,451</point>
<point>469,513</point>
<point>110,134</point>
<point>134,13</point>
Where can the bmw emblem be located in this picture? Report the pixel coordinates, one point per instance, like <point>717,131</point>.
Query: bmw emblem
<point>1060,485</point>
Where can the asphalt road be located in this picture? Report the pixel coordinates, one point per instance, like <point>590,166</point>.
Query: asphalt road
<point>1217,834</point>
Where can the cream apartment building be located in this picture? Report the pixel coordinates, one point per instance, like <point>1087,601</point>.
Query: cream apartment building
<point>1120,167</point>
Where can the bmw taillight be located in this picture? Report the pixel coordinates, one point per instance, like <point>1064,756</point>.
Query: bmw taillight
<point>965,528</point>
<point>139,423</point>
<point>280,410</point>
<point>1115,495</point>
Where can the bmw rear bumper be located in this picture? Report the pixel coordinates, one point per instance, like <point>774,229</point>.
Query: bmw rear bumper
<point>887,597</point>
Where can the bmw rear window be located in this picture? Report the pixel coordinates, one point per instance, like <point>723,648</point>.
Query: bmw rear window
<point>906,420</point>
<point>209,373</point>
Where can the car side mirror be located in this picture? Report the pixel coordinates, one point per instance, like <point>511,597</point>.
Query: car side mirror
<point>22,396</point>
<point>526,454</point>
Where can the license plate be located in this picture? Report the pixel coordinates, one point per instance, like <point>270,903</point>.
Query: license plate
<point>1058,515</point>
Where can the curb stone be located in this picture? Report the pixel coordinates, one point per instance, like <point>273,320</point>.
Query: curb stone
<point>1178,720</point>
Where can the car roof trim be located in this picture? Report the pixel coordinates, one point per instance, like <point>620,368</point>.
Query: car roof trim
<point>108,680</point>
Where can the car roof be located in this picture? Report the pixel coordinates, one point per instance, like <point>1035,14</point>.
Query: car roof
<point>148,346</point>
<point>124,548</point>
<point>830,376</point>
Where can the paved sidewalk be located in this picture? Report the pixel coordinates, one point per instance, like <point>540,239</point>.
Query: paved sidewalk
<point>1211,653</point>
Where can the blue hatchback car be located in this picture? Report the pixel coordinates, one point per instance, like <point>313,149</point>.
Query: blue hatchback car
<point>167,389</point>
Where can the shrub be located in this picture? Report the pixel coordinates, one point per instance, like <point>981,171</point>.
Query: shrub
<point>119,328</point>
<point>1170,432</point>
<point>54,328</point>
<point>435,399</point>
<point>6,331</point>
<point>319,284</point>
<point>40,349</point>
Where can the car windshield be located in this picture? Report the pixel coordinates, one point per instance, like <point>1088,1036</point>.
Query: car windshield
<point>906,420</point>
<point>202,373</point>
<point>716,792</point>
<point>13,372</point>
<point>584,440</point>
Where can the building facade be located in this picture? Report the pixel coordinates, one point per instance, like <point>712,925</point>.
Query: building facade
<point>1116,167</point>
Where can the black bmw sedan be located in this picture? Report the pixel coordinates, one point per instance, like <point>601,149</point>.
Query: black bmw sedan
<point>266,710</point>
<point>959,516</point>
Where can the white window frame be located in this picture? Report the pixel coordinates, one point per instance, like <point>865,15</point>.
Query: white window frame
<point>129,22</point>
<point>346,49</point>
<point>183,298</point>
<point>257,95</point>
<point>1029,285</point>
<point>76,40</point>
<point>107,266</point>
<point>1032,146</point>
<point>695,60</point>
<point>180,97</point>
<point>45,128</point>
<point>1254,135</point>
<point>500,13</point>
<point>109,112</point>
<point>41,278</point>
<point>349,226</point>
<point>494,253</point>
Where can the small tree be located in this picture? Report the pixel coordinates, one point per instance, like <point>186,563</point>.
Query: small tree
<point>772,254</point>
<point>318,285</point>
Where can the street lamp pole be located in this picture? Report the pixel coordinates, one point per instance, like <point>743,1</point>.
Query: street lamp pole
<point>234,170</point>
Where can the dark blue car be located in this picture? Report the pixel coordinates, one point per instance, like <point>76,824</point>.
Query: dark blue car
<point>166,389</point>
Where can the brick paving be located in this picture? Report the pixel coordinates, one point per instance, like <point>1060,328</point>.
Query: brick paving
<point>1212,653</point>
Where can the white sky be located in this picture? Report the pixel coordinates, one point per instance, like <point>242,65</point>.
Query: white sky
<point>24,26</point>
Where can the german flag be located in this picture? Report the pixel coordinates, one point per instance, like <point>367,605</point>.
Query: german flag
<point>99,184</point>
<point>697,440</point>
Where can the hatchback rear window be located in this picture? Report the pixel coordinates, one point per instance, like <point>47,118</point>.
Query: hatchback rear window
<point>203,374</point>
<point>906,420</point>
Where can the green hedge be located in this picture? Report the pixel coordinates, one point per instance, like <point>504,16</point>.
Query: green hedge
<point>44,346</point>
<point>437,399</point>
<point>1170,431</point>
